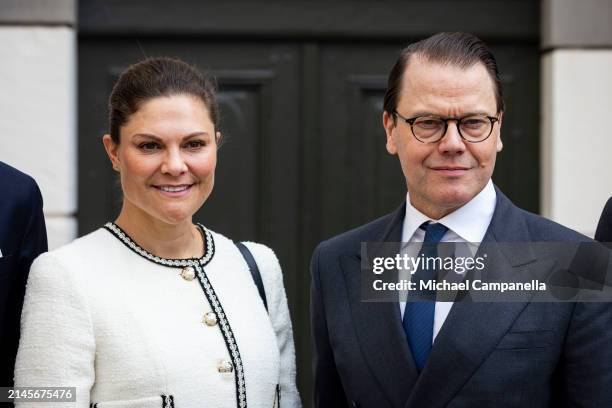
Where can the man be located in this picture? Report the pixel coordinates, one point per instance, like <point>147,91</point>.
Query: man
<point>604,227</point>
<point>22,238</point>
<point>443,112</point>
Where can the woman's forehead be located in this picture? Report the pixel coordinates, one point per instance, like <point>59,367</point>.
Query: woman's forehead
<point>176,115</point>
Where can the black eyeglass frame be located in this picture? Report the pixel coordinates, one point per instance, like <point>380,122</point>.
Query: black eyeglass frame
<point>411,121</point>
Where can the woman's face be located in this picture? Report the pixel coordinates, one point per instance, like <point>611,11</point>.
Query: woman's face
<point>166,158</point>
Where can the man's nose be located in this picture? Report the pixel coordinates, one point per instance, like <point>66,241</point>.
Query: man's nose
<point>174,163</point>
<point>452,143</point>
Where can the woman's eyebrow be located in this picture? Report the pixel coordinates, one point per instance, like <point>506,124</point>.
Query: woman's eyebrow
<point>194,134</point>
<point>148,136</point>
<point>159,139</point>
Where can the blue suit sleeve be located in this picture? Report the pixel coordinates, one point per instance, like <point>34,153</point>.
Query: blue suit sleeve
<point>328,390</point>
<point>32,237</point>
<point>586,364</point>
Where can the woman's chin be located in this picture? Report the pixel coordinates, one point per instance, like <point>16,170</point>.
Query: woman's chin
<point>175,217</point>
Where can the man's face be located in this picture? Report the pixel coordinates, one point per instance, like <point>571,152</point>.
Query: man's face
<point>444,175</point>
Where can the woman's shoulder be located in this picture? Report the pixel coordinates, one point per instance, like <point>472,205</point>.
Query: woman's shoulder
<point>264,255</point>
<point>86,250</point>
<point>267,261</point>
<point>269,268</point>
<point>87,246</point>
<point>67,269</point>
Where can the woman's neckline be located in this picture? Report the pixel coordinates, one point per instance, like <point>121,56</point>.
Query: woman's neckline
<point>208,252</point>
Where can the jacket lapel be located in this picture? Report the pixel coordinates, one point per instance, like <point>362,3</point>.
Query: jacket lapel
<point>473,329</point>
<point>378,326</point>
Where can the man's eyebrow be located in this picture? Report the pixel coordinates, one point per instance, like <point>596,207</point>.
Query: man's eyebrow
<point>159,139</point>
<point>463,115</point>
<point>423,113</point>
<point>476,113</point>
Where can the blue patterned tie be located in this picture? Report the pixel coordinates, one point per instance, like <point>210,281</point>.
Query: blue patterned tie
<point>419,315</point>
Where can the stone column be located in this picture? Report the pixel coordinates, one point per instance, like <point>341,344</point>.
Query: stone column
<point>576,111</point>
<point>38,103</point>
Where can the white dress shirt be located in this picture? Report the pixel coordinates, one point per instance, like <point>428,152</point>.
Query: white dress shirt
<point>467,224</point>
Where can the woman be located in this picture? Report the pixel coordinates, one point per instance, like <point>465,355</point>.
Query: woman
<point>152,310</point>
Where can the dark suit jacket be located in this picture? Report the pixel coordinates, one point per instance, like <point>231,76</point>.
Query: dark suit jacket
<point>604,228</point>
<point>519,354</point>
<point>22,238</point>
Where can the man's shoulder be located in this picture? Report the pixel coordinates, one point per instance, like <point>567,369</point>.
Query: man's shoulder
<point>608,206</point>
<point>542,229</point>
<point>604,226</point>
<point>511,223</point>
<point>8,173</point>
<point>22,187</point>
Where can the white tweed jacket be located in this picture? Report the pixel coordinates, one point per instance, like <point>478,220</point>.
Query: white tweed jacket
<point>128,329</point>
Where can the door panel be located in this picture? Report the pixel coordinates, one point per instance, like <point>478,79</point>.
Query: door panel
<point>353,83</point>
<point>303,156</point>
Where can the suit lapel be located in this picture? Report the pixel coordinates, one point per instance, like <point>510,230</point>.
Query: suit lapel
<point>378,326</point>
<point>473,329</point>
<point>469,334</point>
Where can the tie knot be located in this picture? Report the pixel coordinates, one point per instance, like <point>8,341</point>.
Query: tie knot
<point>433,232</point>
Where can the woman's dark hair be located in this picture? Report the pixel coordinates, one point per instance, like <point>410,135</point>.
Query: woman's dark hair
<point>156,77</point>
<point>462,50</point>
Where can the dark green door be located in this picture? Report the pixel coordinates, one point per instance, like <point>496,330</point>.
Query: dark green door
<point>301,86</point>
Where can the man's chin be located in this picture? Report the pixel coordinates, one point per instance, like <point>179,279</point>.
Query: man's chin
<point>453,200</point>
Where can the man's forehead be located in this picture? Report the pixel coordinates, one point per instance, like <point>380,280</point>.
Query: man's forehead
<point>426,79</point>
<point>422,71</point>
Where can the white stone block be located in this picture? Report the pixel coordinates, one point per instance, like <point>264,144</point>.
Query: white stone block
<point>37,105</point>
<point>60,231</point>
<point>577,142</point>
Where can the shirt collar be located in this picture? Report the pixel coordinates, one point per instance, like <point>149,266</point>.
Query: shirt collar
<point>469,221</point>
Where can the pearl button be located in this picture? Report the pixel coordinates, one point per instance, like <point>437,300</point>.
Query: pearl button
<point>188,273</point>
<point>225,366</point>
<point>210,319</point>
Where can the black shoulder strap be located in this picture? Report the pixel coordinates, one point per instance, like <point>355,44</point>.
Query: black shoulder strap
<point>248,257</point>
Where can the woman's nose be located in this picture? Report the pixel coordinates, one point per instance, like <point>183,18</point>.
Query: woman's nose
<point>174,163</point>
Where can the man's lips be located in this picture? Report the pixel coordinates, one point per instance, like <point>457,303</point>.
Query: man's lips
<point>450,170</point>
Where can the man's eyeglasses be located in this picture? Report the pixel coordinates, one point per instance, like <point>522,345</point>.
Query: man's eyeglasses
<point>430,129</point>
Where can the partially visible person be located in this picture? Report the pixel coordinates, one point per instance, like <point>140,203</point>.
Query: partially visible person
<point>153,310</point>
<point>23,237</point>
<point>604,227</point>
<point>443,112</point>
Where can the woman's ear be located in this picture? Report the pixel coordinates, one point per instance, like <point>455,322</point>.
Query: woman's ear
<point>218,139</point>
<point>111,150</point>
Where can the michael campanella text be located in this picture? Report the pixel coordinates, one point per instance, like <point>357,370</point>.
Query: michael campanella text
<point>465,285</point>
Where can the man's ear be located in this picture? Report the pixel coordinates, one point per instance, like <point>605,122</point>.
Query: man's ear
<point>389,125</point>
<point>500,144</point>
<point>111,150</point>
